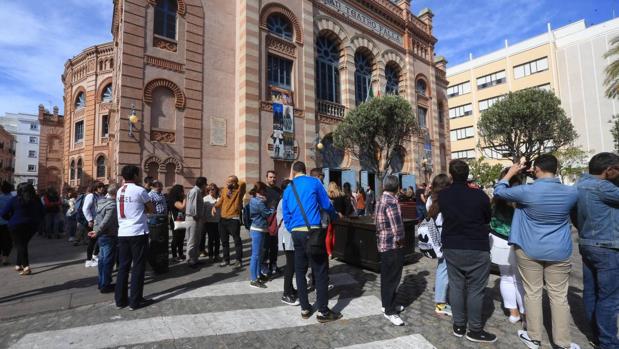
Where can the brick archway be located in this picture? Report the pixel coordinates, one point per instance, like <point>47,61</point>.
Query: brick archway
<point>181,8</point>
<point>281,9</point>
<point>178,93</point>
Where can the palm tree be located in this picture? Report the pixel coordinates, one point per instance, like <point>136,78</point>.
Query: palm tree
<point>612,70</point>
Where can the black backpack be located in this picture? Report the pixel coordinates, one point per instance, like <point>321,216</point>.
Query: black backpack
<point>79,205</point>
<point>246,217</point>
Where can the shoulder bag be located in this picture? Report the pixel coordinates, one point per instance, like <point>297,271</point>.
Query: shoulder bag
<point>316,236</point>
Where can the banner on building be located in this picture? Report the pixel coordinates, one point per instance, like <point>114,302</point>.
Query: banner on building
<point>282,144</point>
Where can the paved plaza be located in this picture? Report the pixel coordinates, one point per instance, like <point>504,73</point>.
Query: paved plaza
<point>59,306</point>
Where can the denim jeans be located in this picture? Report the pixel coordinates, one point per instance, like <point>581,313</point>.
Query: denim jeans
<point>257,240</point>
<point>71,226</point>
<point>441,282</point>
<point>320,268</point>
<point>421,211</point>
<point>107,257</point>
<point>601,293</point>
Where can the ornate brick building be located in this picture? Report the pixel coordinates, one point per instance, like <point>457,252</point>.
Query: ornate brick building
<point>7,155</point>
<point>201,78</point>
<point>50,148</point>
<point>87,82</point>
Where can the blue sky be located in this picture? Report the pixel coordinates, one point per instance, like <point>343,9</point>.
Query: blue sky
<point>38,36</point>
<point>482,26</point>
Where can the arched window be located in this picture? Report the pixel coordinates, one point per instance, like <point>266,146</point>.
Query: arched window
<point>279,25</point>
<point>79,169</point>
<point>101,166</point>
<point>72,170</point>
<point>363,77</point>
<point>80,101</point>
<point>165,18</point>
<point>392,75</point>
<point>107,94</point>
<point>421,87</point>
<point>170,174</point>
<point>153,170</point>
<point>327,70</point>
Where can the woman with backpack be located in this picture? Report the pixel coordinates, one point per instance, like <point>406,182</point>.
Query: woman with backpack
<point>24,214</point>
<point>259,213</point>
<point>177,204</point>
<point>503,255</point>
<point>441,282</point>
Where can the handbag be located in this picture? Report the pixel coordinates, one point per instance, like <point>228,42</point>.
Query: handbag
<point>428,239</point>
<point>316,236</point>
<point>179,222</point>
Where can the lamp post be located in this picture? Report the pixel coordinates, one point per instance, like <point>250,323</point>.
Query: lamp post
<point>133,119</point>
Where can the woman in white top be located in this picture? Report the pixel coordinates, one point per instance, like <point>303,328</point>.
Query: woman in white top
<point>211,225</point>
<point>441,282</point>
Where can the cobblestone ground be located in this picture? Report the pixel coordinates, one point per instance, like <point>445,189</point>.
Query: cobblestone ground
<point>59,307</point>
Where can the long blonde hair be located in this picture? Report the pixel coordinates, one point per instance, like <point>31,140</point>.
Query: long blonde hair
<point>334,191</point>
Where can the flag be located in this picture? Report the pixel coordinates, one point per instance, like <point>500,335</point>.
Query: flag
<point>370,92</point>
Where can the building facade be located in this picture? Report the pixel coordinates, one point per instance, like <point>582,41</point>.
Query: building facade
<point>87,82</point>
<point>569,61</point>
<point>25,128</point>
<point>208,81</point>
<point>7,155</point>
<point>50,148</point>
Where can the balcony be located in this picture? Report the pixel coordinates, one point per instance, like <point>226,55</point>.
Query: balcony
<point>329,112</point>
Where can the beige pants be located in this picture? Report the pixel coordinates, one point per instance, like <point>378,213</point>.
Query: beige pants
<point>192,233</point>
<point>556,275</point>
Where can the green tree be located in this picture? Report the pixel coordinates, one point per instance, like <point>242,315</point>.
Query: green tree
<point>612,70</point>
<point>526,123</point>
<point>375,130</point>
<point>483,172</point>
<point>572,163</point>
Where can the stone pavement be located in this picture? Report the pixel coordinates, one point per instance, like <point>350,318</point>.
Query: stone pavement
<point>58,306</point>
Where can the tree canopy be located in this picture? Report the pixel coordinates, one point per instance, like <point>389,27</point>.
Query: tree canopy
<point>612,70</point>
<point>376,130</point>
<point>483,172</point>
<point>526,123</point>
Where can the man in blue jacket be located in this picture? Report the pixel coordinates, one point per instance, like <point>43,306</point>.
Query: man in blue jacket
<point>313,198</point>
<point>598,226</point>
<point>541,235</point>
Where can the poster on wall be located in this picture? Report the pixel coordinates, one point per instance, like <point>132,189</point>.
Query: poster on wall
<point>282,144</point>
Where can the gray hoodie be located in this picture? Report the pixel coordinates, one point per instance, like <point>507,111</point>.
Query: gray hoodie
<point>106,222</point>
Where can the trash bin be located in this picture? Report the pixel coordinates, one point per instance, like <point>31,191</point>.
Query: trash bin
<point>158,249</point>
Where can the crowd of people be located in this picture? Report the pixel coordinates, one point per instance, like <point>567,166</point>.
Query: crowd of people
<point>524,228</point>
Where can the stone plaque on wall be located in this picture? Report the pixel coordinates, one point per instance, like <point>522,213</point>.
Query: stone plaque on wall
<point>218,131</point>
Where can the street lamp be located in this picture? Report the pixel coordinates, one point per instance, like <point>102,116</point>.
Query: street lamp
<point>133,119</point>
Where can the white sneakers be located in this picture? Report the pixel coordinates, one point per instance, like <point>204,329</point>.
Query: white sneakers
<point>514,319</point>
<point>395,319</point>
<point>91,263</point>
<point>533,344</point>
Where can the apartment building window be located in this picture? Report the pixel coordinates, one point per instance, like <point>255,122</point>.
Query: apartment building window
<point>463,154</point>
<point>421,116</point>
<point>544,87</point>
<point>32,153</point>
<point>79,132</point>
<point>279,72</point>
<point>34,126</point>
<point>492,153</point>
<point>460,111</point>
<point>491,80</point>
<point>32,168</point>
<point>462,133</point>
<point>459,89</point>
<point>33,140</point>
<point>105,126</point>
<point>487,103</point>
<point>532,67</point>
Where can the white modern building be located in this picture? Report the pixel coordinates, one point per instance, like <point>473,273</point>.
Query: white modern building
<point>26,129</point>
<point>568,60</point>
